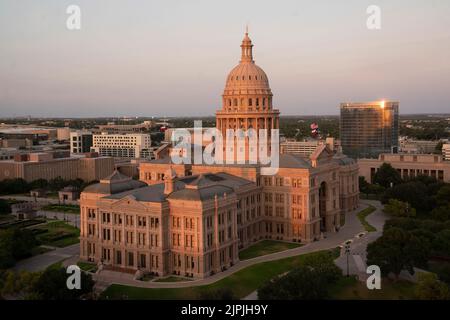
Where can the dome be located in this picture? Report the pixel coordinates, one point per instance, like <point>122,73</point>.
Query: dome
<point>247,77</point>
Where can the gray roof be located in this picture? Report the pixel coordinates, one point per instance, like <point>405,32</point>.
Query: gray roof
<point>195,188</point>
<point>114,183</point>
<point>344,160</point>
<point>113,188</point>
<point>294,161</point>
<point>204,193</point>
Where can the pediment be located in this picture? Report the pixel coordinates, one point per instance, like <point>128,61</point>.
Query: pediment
<point>128,203</point>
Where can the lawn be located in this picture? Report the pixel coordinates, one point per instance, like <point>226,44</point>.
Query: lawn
<point>87,266</point>
<point>67,208</point>
<point>266,247</point>
<point>57,234</point>
<point>241,283</point>
<point>362,218</point>
<point>352,289</point>
<point>172,279</point>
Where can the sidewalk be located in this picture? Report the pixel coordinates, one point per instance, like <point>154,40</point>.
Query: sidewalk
<point>351,229</point>
<point>358,247</point>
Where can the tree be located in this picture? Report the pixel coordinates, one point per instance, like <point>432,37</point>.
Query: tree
<point>399,208</point>
<point>438,148</point>
<point>430,288</point>
<point>442,243</point>
<point>15,244</point>
<point>218,294</point>
<point>443,195</point>
<point>441,213</point>
<point>303,283</point>
<point>18,284</point>
<point>5,208</point>
<point>13,186</point>
<point>363,185</point>
<point>397,250</point>
<point>52,285</point>
<point>387,175</point>
<point>414,192</point>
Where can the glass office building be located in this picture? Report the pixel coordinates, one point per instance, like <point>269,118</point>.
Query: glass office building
<point>370,128</point>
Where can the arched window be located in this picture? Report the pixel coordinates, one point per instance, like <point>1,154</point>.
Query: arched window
<point>257,102</point>
<point>229,102</point>
<point>264,102</point>
<point>235,102</point>
<point>249,77</point>
<point>250,102</point>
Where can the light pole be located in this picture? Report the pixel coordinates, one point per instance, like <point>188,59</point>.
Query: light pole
<point>347,252</point>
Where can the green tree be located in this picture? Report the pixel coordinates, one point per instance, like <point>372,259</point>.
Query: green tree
<point>52,285</point>
<point>18,284</point>
<point>303,283</point>
<point>443,195</point>
<point>441,213</point>
<point>363,185</point>
<point>414,192</point>
<point>15,244</point>
<point>438,148</point>
<point>387,175</point>
<point>442,243</point>
<point>5,208</point>
<point>430,288</point>
<point>399,208</point>
<point>397,250</point>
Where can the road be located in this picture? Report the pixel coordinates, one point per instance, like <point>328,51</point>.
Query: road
<point>42,201</point>
<point>358,247</point>
<point>42,261</point>
<point>350,230</point>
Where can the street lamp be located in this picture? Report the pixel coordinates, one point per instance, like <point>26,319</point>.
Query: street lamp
<point>347,252</point>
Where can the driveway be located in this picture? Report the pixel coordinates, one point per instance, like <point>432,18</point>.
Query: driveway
<point>42,261</point>
<point>358,254</point>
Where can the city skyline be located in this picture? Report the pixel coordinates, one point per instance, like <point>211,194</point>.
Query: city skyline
<point>155,59</point>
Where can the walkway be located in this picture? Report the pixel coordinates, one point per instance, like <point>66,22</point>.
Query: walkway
<point>351,229</point>
<point>42,261</point>
<point>358,247</point>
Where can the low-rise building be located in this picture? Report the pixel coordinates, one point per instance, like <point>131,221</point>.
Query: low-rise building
<point>80,141</point>
<point>418,146</point>
<point>131,145</point>
<point>306,148</point>
<point>50,165</point>
<point>408,165</point>
<point>446,151</point>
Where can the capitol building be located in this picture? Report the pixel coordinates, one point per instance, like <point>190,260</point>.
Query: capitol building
<point>193,219</point>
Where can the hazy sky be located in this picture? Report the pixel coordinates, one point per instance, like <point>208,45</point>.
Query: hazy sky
<point>157,58</point>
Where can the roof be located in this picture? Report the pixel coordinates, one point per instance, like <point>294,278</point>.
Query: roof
<point>192,188</point>
<point>294,161</point>
<point>114,183</point>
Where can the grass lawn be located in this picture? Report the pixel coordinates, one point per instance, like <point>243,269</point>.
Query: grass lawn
<point>56,266</point>
<point>266,247</point>
<point>352,289</point>
<point>241,283</point>
<point>87,266</point>
<point>67,208</point>
<point>362,218</point>
<point>6,217</point>
<point>39,250</point>
<point>57,234</point>
<point>172,279</point>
